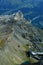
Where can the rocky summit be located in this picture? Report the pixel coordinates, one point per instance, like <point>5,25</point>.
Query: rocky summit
<point>18,36</point>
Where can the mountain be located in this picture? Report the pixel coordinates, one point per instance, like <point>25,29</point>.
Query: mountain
<point>17,36</point>
<point>31,9</point>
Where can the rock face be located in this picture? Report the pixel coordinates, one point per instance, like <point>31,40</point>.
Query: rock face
<point>18,16</point>
<point>18,35</point>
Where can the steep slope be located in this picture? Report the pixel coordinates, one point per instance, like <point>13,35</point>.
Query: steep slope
<point>17,35</point>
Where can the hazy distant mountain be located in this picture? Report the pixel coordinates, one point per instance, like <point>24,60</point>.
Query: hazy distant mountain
<point>10,4</point>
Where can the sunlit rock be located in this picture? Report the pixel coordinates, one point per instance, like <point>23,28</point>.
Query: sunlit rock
<point>18,16</point>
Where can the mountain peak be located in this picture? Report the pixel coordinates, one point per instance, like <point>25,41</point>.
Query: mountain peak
<point>18,16</point>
